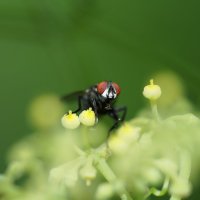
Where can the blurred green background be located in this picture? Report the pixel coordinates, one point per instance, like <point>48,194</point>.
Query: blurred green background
<point>58,46</point>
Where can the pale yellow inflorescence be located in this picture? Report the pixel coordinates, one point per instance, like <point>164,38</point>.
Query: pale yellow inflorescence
<point>152,92</point>
<point>70,121</point>
<point>124,138</point>
<point>87,117</point>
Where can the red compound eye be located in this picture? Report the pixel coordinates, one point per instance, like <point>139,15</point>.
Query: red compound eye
<point>117,88</point>
<point>101,87</point>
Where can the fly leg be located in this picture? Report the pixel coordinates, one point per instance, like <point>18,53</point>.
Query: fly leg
<point>94,106</point>
<point>124,110</point>
<point>114,113</point>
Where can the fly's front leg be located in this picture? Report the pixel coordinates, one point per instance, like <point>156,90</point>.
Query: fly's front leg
<point>114,114</point>
<point>124,111</point>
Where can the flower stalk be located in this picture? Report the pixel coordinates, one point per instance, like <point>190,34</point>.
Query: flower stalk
<point>154,109</point>
<point>153,93</point>
<point>109,175</point>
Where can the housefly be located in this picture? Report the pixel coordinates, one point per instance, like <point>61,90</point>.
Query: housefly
<point>101,98</point>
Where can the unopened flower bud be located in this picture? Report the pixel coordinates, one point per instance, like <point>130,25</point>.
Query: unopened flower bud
<point>128,132</point>
<point>124,138</point>
<point>180,187</point>
<point>152,92</point>
<point>87,117</point>
<point>104,191</point>
<point>88,172</point>
<point>152,175</point>
<point>70,121</point>
<point>117,145</point>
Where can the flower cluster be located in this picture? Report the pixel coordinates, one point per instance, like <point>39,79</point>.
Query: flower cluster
<point>147,156</point>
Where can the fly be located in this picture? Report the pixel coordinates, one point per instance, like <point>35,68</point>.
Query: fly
<point>101,98</point>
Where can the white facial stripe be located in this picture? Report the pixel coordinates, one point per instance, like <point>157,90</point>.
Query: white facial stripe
<point>109,95</point>
<point>105,93</point>
<point>112,96</point>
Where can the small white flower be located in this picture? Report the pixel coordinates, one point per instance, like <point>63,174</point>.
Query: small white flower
<point>70,121</point>
<point>87,117</point>
<point>152,92</point>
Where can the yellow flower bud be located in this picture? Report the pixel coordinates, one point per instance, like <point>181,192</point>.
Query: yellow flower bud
<point>152,92</point>
<point>125,137</point>
<point>117,145</point>
<point>87,117</point>
<point>70,121</point>
<point>129,133</point>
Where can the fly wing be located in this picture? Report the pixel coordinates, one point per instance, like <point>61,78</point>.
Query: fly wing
<point>72,95</point>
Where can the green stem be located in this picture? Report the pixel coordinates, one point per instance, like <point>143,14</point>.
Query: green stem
<point>106,171</point>
<point>155,110</point>
<point>185,165</point>
<point>79,151</point>
<point>161,192</point>
<point>85,137</point>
